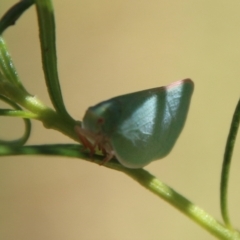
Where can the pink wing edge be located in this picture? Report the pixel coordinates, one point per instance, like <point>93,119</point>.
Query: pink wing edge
<point>180,82</point>
<point>103,144</point>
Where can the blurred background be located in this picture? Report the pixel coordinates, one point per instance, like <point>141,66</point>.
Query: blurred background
<point>109,48</point>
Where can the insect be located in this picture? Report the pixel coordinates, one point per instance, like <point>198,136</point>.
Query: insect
<point>137,128</point>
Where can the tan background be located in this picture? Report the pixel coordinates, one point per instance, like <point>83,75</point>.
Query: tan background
<point>108,48</point>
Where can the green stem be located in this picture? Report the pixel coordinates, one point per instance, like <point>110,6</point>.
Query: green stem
<point>24,99</point>
<point>46,24</point>
<point>12,15</point>
<point>191,210</point>
<point>4,112</point>
<point>11,87</point>
<point>227,163</point>
<point>17,113</point>
<point>46,115</point>
<point>143,177</point>
<point>7,67</point>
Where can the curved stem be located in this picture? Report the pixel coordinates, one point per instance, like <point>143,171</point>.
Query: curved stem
<point>41,112</point>
<point>227,163</point>
<point>143,177</point>
<point>12,15</point>
<point>22,140</point>
<point>46,24</point>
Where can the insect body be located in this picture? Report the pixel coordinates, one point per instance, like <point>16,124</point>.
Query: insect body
<point>139,127</point>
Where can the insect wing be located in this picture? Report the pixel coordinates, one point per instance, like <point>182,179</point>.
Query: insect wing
<point>150,123</point>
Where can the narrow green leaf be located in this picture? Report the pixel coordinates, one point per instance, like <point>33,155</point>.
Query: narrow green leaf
<point>49,117</point>
<point>17,113</point>
<point>22,140</point>
<point>49,57</point>
<point>12,15</point>
<point>227,163</point>
<point>7,67</point>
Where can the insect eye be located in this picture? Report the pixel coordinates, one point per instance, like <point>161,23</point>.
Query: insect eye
<point>100,121</point>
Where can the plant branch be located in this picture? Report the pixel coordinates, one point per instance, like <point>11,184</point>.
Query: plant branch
<point>12,15</point>
<point>227,163</point>
<point>47,36</point>
<point>143,177</point>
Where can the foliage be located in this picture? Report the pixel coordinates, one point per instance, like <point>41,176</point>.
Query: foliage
<point>26,106</point>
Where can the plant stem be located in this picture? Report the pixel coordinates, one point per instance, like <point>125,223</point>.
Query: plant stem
<point>227,163</point>
<point>143,177</point>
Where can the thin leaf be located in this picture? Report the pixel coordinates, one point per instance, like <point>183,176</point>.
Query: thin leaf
<point>49,57</point>
<point>12,15</point>
<point>7,67</point>
<point>227,163</point>
<point>17,113</point>
<point>22,140</point>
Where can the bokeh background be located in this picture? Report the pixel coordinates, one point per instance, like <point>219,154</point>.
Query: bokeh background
<point>108,48</point>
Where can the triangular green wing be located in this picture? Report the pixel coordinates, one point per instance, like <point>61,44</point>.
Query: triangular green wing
<point>150,123</point>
